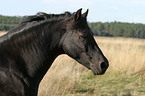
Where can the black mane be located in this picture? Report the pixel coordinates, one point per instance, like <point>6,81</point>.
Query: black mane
<point>41,16</point>
<point>32,21</point>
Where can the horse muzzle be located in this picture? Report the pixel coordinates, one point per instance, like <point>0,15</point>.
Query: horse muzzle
<point>99,69</point>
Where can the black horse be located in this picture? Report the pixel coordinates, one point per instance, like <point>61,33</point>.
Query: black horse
<point>27,51</point>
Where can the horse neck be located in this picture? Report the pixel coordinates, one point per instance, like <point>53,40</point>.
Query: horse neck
<point>38,49</point>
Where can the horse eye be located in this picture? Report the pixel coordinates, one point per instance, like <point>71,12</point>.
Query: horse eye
<point>83,35</point>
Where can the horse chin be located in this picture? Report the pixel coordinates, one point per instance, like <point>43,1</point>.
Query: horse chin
<point>96,72</point>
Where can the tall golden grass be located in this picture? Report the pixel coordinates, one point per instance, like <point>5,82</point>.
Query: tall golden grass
<point>2,33</point>
<point>65,77</point>
<point>124,54</point>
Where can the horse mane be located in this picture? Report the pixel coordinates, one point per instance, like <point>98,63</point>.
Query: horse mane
<point>28,22</point>
<point>41,16</point>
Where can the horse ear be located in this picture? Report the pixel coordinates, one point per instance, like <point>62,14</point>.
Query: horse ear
<point>85,14</point>
<point>78,14</point>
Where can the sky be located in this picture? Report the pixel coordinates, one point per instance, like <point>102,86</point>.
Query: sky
<point>132,11</point>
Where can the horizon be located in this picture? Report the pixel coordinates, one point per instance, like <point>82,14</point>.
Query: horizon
<point>88,21</point>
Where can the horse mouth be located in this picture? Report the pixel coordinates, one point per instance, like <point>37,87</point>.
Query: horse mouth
<point>95,71</point>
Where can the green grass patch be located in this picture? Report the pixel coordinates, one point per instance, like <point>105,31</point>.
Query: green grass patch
<point>112,84</point>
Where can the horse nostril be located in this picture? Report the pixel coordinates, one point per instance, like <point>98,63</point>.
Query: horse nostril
<point>104,66</point>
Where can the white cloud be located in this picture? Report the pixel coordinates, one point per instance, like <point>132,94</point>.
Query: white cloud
<point>67,5</point>
<point>68,2</point>
<point>139,2</point>
<point>102,10</point>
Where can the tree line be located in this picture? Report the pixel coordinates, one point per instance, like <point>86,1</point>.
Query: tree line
<point>118,29</point>
<point>8,22</point>
<point>112,29</point>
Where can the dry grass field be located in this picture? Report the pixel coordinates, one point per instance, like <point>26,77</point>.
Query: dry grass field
<point>125,76</point>
<point>2,33</point>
